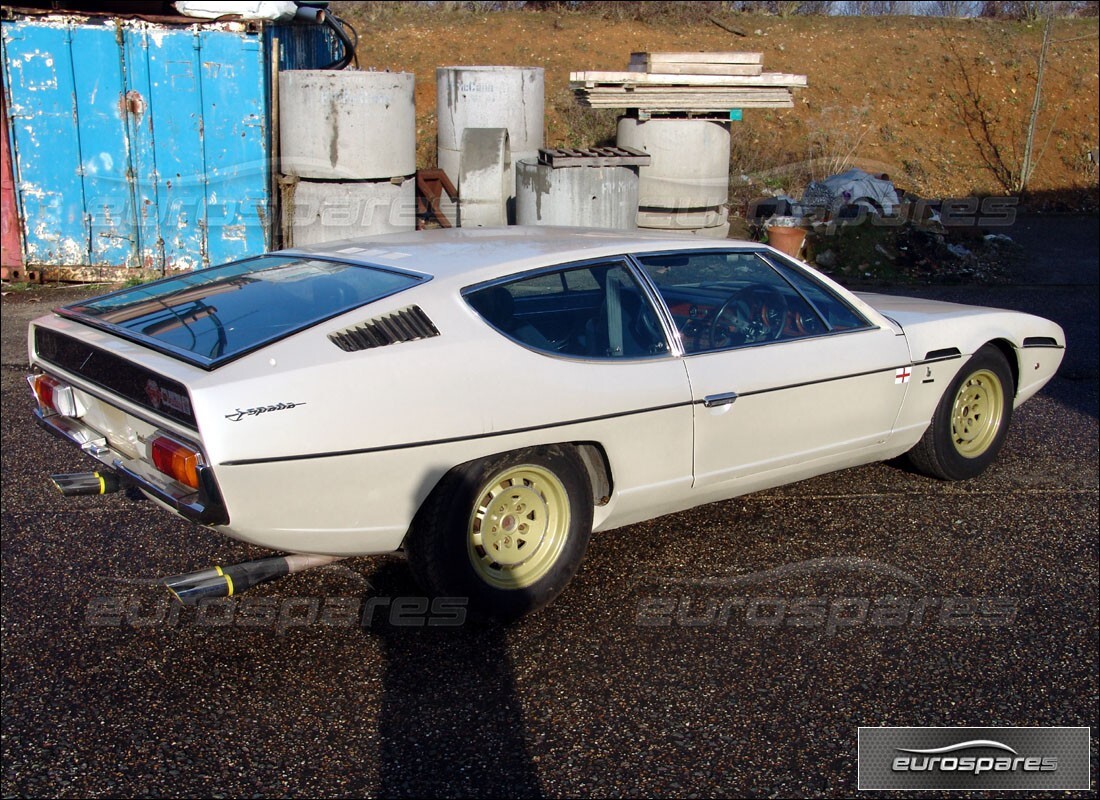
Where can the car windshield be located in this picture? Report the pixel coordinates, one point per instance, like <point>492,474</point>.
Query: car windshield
<point>214,315</point>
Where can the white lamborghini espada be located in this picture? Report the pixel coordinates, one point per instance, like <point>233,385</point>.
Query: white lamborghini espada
<point>486,398</point>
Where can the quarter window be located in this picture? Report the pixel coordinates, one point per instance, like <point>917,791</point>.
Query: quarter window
<point>594,311</point>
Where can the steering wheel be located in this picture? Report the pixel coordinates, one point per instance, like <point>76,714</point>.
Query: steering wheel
<point>647,329</point>
<point>758,312</point>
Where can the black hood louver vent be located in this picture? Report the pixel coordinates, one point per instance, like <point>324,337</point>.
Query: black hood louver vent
<point>405,325</point>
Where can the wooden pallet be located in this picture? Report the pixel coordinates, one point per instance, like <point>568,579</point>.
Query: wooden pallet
<point>593,157</point>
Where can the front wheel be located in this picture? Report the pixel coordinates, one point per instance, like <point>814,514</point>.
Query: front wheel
<point>971,421</point>
<point>506,532</point>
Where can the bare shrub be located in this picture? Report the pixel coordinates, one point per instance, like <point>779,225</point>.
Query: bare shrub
<point>1005,145</point>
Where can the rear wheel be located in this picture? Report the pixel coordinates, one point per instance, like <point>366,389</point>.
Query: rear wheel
<point>506,532</point>
<point>971,421</point>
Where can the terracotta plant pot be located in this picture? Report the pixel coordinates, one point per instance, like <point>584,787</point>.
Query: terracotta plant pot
<point>788,240</point>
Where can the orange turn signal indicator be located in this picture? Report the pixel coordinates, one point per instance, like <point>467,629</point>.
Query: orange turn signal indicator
<point>176,460</point>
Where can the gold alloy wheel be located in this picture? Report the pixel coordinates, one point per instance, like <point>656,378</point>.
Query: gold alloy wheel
<point>977,413</point>
<point>519,526</point>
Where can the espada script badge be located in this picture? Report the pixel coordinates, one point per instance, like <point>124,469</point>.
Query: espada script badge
<point>241,413</point>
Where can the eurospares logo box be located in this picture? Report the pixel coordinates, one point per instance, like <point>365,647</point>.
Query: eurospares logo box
<point>974,759</point>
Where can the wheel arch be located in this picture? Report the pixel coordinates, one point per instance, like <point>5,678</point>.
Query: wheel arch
<point>1012,356</point>
<point>592,455</point>
<point>598,467</point>
<point>971,418</point>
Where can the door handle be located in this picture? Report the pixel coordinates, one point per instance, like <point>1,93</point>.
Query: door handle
<point>724,399</point>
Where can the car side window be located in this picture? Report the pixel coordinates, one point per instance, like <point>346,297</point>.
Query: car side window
<point>839,315</point>
<point>594,311</point>
<point>733,299</point>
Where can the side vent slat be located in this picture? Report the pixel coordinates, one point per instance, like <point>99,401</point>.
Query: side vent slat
<point>403,329</point>
<point>405,325</point>
<point>391,331</point>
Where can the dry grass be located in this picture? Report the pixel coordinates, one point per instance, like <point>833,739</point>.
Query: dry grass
<point>880,90</point>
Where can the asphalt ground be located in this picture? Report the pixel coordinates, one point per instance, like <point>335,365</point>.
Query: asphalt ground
<point>686,659</point>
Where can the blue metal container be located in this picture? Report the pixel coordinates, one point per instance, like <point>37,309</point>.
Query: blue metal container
<point>137,144</point>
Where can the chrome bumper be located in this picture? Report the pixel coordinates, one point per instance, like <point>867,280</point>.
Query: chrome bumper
<point>204,506</point>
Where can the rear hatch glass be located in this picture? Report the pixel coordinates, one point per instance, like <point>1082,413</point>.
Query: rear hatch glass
<point>214,315</point>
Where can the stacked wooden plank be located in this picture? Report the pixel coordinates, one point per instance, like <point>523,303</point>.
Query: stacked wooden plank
<point>697,63</point>
<point>687,82</point>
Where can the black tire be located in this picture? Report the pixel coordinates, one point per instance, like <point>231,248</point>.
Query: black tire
<point>971,420</point>
<point>464,547</point>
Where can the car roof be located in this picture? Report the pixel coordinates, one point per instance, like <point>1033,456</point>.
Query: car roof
<point>475,254</point>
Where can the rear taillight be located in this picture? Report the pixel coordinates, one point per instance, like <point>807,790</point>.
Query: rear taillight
<point>55,397</point>
<point>175,459</point>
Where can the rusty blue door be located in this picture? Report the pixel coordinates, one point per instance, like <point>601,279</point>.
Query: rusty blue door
<point>136,144</point>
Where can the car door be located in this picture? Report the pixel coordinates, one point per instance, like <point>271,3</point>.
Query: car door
<point>787,379</point>
<point>604,368</point>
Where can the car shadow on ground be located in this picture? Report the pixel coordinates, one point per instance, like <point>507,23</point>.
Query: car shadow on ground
<point>450,721</point>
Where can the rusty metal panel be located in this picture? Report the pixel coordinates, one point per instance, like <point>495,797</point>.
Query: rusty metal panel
<point>200,144</point>
<point>143,168</point>
<point>11,246</point>
<point>169,144</point>
<point>234,114</point>
<point>45,146</point>
<point>106,177</point>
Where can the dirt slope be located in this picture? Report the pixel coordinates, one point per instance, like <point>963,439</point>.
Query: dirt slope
<point>883,92</point>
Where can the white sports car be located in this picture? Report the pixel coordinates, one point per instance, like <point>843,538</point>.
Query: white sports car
<point>486,398</point>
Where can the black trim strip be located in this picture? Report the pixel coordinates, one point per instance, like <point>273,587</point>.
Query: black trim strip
<point>936,360</point>
<point>822,380</point>
<point>1042,341</point>
<point>452,440</point>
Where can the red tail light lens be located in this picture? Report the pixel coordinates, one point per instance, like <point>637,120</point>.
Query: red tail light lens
<point>55,396</point>
<point>44,388</point>
<point>176,460</point>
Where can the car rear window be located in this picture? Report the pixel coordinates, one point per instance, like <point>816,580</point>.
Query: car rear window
<point>214,315</point>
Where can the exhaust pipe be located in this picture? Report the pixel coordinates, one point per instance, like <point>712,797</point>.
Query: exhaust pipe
<point>217,582</point>
<point>80,483</point>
